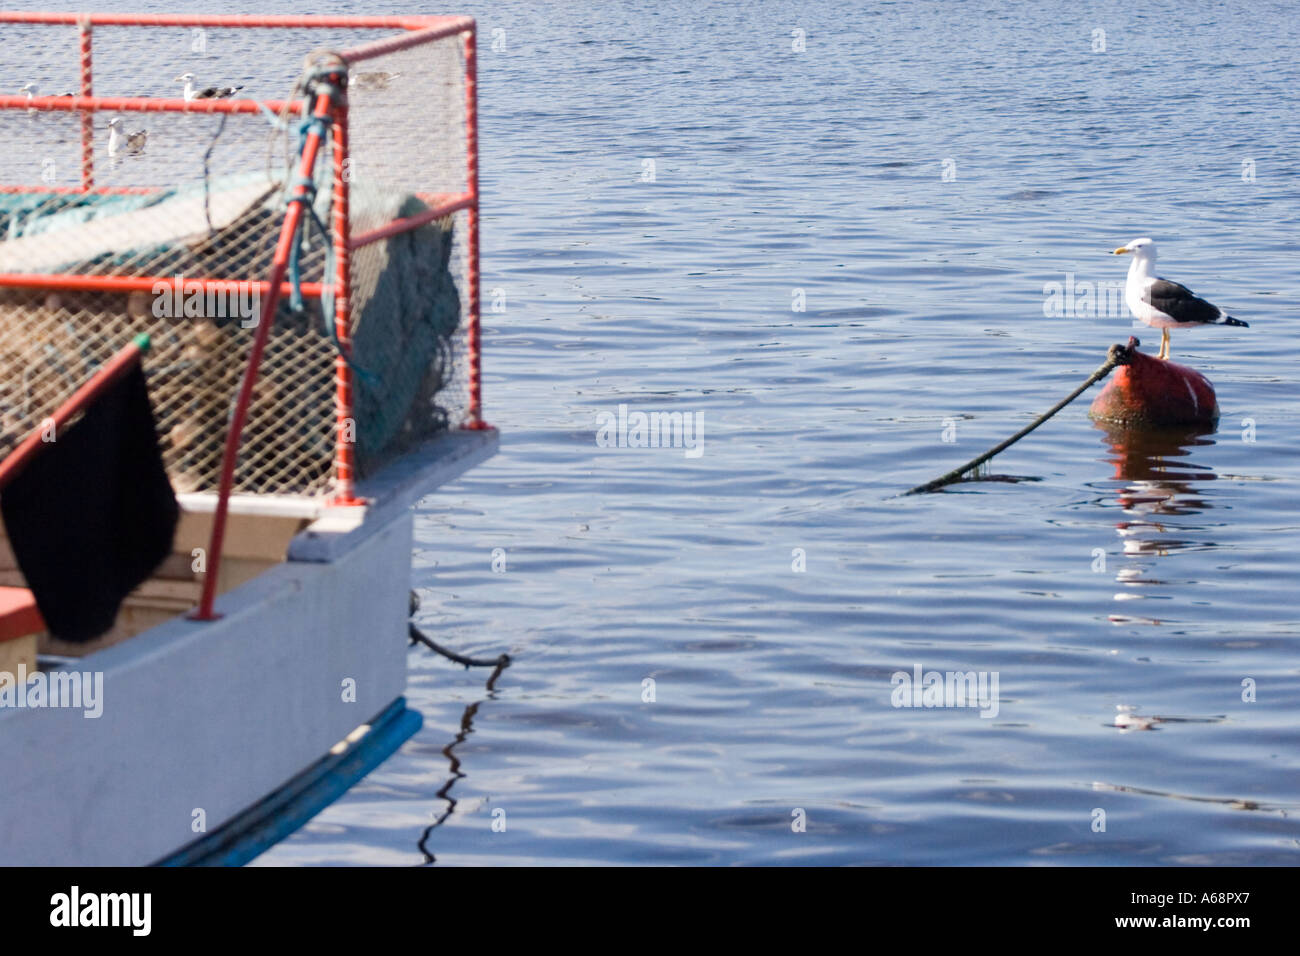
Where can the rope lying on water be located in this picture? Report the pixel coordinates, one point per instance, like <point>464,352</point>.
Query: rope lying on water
<point>500,662</point>
<point>1118,355</point>
<point>417,635</point>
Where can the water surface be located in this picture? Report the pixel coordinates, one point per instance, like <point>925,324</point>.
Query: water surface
<point>912,177</point>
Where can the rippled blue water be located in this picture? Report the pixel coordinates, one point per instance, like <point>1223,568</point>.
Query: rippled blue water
<point>916,174</point>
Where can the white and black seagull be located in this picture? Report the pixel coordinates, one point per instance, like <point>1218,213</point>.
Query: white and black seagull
<point>131,143</point>
<point>193,92</point>
<point>32,89</point>
<point>1162,304</point>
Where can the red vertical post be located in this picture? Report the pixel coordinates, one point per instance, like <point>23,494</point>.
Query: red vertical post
<point>87,117</point>
<point>474,342</point>
<point>230,456</point>
<point>345,418</point>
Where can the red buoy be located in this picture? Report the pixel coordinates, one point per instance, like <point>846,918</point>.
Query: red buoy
<point>1149,391</point>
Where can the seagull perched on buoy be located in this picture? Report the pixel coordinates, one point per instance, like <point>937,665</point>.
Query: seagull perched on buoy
<point>1162,304</point>
<point>132,143</point>
<point>192,92</point>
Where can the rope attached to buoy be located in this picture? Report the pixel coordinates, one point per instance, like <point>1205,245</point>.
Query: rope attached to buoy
<point>1117,355</point>
<point>500,662</point>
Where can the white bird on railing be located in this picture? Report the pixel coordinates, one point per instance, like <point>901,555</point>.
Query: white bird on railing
<point>31,89</point>
<point>377,80</point>
<point>132,143</point>
<point>207,93</point>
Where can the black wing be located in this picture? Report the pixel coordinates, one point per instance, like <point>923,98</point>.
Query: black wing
<point>1179,302</point>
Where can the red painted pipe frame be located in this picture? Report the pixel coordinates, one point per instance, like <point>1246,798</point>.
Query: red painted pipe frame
<point>87,118</point>
<point>414,22</point>
<point>89,283</point>
<point>421,29</point>
<point>345,422</point>
<point>77,190</point>
<point>471,187</point>
<point>439,211</point>
<point>140,104</point>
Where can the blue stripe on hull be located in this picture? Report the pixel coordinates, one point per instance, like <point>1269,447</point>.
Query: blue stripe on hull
<point>261,826</point>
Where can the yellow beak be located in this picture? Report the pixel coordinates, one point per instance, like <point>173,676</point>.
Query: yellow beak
<point>1120,251</point>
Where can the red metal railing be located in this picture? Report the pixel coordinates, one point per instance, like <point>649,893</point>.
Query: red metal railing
<point>450,24</point>
<point>345,440</point>
<point>78,283</point>
<point>138,104</point>
<point>417,30</point>
<point>471,188</point>
<point>87,118</point>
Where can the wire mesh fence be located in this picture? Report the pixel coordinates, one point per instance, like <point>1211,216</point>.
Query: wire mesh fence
<point>163,217</point>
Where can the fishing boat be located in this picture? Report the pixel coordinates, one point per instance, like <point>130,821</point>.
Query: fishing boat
<point>295,281</point>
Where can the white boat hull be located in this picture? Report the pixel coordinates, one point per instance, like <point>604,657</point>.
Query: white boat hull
<point>202,720</point>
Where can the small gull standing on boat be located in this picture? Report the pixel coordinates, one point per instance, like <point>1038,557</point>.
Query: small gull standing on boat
<point>1162,304</point>
<point>376,80</point>
<point>132,143</point>
<point>193,92</point>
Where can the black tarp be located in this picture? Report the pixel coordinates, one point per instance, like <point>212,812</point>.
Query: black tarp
<point>93,514</point>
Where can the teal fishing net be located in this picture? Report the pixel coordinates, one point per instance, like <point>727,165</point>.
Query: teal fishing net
<point>405,318</point>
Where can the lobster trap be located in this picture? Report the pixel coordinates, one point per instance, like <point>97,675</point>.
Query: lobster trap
<point>286,206</point>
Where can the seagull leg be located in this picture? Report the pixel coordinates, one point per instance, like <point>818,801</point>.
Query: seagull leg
<point>1164,344</point>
